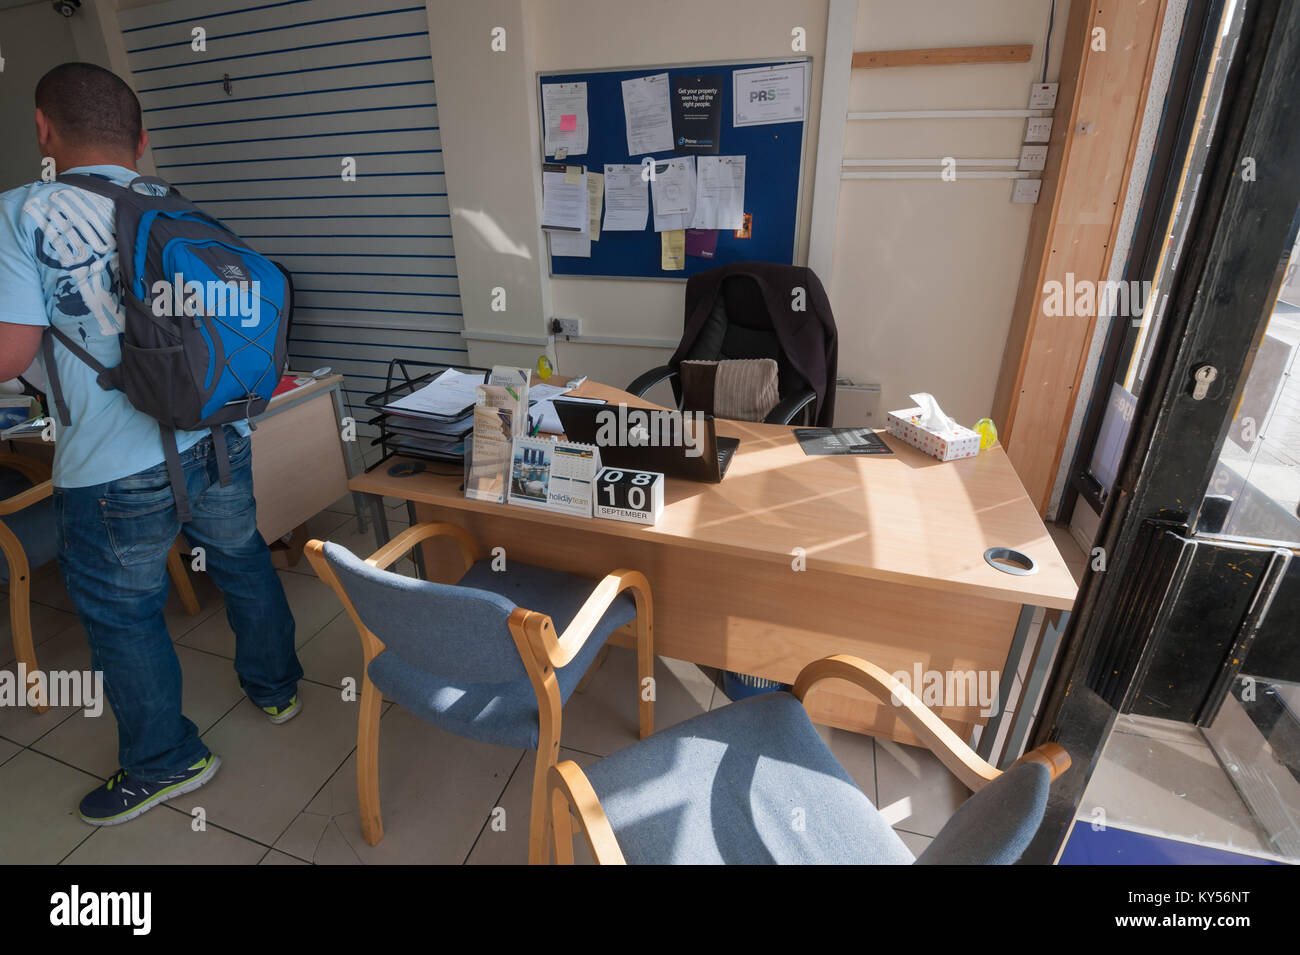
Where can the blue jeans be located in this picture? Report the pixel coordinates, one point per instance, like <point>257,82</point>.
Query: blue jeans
<point>113,543</point>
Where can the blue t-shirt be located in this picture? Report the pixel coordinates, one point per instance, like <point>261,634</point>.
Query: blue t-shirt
<point>58,265</point>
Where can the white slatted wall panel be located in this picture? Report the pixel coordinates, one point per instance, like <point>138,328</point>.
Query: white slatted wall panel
<point>312,81</point>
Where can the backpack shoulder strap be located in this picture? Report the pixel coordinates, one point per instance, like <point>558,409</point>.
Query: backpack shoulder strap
<point>93,184</point>
<point>106,377</point>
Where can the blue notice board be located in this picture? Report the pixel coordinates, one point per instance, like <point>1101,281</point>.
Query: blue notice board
<point>774,157</point>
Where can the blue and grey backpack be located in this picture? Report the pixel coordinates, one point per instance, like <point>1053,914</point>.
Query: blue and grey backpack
<point>206,320</point>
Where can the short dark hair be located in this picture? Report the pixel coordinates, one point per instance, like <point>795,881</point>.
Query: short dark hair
<point>90,106</point>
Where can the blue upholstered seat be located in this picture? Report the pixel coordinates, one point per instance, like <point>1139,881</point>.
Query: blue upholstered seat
<point>33,526</point>
<point>752,783</point>
<point>449,657</point>
<point>749,783</point>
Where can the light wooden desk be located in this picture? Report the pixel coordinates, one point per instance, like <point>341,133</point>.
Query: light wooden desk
<point>893,551</point>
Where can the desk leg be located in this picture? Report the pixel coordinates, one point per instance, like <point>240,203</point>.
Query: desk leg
<point>991,729</point>
<point>1040,665</point>
<point>349,458</point>
<point>380,516</point>
<point>417,553</point>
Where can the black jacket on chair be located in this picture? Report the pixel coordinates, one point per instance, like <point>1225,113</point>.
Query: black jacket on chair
<point>750,310</point>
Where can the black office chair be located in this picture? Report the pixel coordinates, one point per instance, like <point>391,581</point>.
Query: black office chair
<point>760,310</point>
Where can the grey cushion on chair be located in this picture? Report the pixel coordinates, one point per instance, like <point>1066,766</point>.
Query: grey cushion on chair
<point>733,785</point>
<point>994,826</point>
<point>449,657</point>
<point>33,526</point>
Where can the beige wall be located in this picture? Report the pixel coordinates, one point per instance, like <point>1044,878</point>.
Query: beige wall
<point>925,272</point>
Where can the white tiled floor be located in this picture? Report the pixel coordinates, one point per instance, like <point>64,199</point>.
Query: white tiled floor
<point>287,794</point>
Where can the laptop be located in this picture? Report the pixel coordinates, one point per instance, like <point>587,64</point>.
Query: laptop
<point>659,445</point>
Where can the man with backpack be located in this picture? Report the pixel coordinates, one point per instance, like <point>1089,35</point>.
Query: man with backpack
<point>126,482</point>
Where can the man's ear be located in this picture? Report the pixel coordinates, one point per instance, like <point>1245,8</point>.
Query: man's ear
<point>44,132</point>
<point>143,144</point>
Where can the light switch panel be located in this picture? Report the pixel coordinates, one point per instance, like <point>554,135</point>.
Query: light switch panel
<point>1026,190</point>
<point>1033,158</point>
<point>1038,129</point>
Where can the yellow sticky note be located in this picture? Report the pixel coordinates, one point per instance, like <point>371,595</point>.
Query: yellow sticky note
<point>672,247</point>
<point>573,175</point>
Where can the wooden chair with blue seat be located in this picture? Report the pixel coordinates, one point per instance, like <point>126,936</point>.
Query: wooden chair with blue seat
<point>492,657</point>
<point>28,541</point>
<point>753,782</point>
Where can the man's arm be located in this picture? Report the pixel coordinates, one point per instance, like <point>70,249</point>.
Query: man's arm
<point>22,298</point>
<point>18,347</point>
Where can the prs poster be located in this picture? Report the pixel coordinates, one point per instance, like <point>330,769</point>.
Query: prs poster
<point>769,94</point>
<point>697,117</point>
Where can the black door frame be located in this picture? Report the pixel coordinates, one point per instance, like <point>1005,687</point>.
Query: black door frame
<point>1220,302</point>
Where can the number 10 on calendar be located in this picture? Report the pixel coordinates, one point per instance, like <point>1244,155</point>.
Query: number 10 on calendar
<point>624,495</point>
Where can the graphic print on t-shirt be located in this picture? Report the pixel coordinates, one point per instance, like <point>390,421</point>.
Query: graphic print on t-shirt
<point>72,231</point>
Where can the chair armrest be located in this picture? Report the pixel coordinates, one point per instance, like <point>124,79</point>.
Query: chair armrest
<point>789,407</point>
<point>418,533</point>
<point>571,792</point>
<point>26,498</point>
<point>644,382</point>
<point>34,469</point>
<point>962,761</point>
<point>1051,755</point>
<point>559,651</point>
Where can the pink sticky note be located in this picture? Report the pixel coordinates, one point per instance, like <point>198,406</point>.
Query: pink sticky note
<point>568,122</point>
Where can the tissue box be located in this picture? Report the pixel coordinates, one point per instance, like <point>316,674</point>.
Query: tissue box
<point>944,445</point>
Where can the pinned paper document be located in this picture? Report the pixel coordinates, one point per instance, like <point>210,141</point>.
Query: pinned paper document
<point>673,189</point>
<point>627,198</point>
<point>719,192</point>
<point>564,199</point>
<point>564,119</point>
<point>672,250</point>
<point>648,114</point>
<point>595,197</point>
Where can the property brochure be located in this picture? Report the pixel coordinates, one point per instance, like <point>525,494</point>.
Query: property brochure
<point>488,461</point>
<point>554,475</point>
<point>515,381</point>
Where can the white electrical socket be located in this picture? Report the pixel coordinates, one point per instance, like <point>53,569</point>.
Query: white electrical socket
<point>570,327</point>
<point>1038,129</point>
<point>1042,96</point>
<point>1026,190</point>
<point>1033,158</point>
